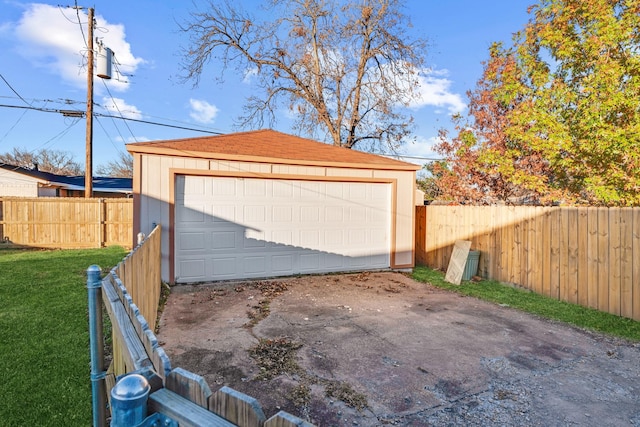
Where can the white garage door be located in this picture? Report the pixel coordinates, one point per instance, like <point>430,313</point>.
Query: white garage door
<point>237,228</point>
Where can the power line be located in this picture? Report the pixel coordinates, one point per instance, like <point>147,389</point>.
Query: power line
<point>109,138</point>
<point>13,90</point>
<point>120,112</point>
<point>76,113</point>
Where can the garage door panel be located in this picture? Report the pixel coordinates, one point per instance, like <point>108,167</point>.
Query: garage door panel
<point>191,241</point>
<point>255,265</point>
<point>260,227</point>
<point>309,214</point>
<point>254,239</point>
<point>282,214</point>
<point>357,192</point>
<point>194,213</point>
<point>283,237</point>
<point>282,264</point>
<point>283,189</point>
<point>223,240</point>
<point>223,213</point>
<point>223,268</point>
<point>334,214</point>
<point>309,262</point>
<point>194,269</point>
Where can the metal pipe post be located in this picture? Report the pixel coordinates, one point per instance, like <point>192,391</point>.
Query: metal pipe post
<point>96,347</point>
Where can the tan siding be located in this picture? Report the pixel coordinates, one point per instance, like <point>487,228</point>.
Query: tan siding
<point>404,218</point>
<point>299,170</point>
<point>360,173</point>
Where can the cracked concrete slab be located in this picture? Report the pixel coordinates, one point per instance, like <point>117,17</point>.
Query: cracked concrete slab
<point>419,355</point>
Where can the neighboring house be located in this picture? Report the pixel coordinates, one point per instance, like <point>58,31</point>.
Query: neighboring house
<point>264,204</point>
<point>17,181</point>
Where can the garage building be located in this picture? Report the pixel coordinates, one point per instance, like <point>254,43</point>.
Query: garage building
<point>265,204</point>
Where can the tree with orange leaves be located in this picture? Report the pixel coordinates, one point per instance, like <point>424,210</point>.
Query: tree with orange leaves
<point>555,117</point>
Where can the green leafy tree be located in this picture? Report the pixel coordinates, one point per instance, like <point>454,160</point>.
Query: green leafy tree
<point>428,182</point>
<point>566,104</point>
<point>343,69</point>
<point>483,164</point>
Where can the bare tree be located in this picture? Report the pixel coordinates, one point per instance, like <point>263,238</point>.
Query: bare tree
<point>344,69</point>
<point>122,167</point>
<point>52,161</point>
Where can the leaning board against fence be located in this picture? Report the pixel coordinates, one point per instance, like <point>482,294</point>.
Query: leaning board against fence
<point>179,394</point>
<point>586,256</point>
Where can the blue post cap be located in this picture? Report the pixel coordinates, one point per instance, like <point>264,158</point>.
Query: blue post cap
<point>130,391</point>
<point>93,276</point>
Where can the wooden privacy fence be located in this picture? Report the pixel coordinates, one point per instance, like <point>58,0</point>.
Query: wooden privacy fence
<point>66,222</point>
<point>587,256</point>
<point>131,292</point>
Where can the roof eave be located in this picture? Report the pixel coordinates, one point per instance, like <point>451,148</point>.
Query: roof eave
<point>206,155</point>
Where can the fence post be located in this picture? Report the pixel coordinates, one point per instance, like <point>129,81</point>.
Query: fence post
<point>96,347</point>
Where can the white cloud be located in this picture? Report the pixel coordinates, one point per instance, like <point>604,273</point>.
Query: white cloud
<point>249,74</point>
<point>434,90</point>
<point>118,106</point>
<point>202,111</point>
<point>421,151</point>
<point>50,38</point>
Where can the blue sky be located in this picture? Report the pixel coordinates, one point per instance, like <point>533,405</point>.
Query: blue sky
<point>42,51</point>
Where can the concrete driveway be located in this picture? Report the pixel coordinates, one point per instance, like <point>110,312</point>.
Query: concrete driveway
<point>373,349</point>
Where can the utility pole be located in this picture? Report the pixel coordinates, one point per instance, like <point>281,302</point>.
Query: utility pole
<point>88,173</point>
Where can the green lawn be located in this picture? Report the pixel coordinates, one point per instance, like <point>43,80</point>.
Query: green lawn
<point>44,338</point>
<point>536,304</point>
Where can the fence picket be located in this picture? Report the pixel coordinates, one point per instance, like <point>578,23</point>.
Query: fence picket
<point>191,386</point>
<point>581,255</point>
<point>237,407</point>
<point>572,257</point>
<point>635,291</point>
<point>582,258</point>
<point>603,259</point>
<point>283,419</point>
<point>626,262</point>
<point>615,260</point>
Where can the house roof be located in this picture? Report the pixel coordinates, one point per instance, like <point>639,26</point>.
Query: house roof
<point>100,184</point>
<point>268,146</point>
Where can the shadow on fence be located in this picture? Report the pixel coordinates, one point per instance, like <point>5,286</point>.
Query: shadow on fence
<point>586,256</point>
<point>140,387</point>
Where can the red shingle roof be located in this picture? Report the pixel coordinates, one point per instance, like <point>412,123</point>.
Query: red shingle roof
<point>268,146</point>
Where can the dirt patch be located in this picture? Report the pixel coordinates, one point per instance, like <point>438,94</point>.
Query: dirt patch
<point>373,349</point>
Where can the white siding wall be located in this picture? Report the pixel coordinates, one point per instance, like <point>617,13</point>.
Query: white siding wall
<point>15,184</point>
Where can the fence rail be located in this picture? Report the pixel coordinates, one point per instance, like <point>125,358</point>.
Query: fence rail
<point>131,293</point>
<point>586,256</point>
<point>66,223</point>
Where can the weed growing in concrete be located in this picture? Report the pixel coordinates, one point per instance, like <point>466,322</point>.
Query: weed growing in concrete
<point>275,356</point>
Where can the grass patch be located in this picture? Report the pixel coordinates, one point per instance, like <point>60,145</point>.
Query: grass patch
<point>540,305</point>
<point>44,335</point>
